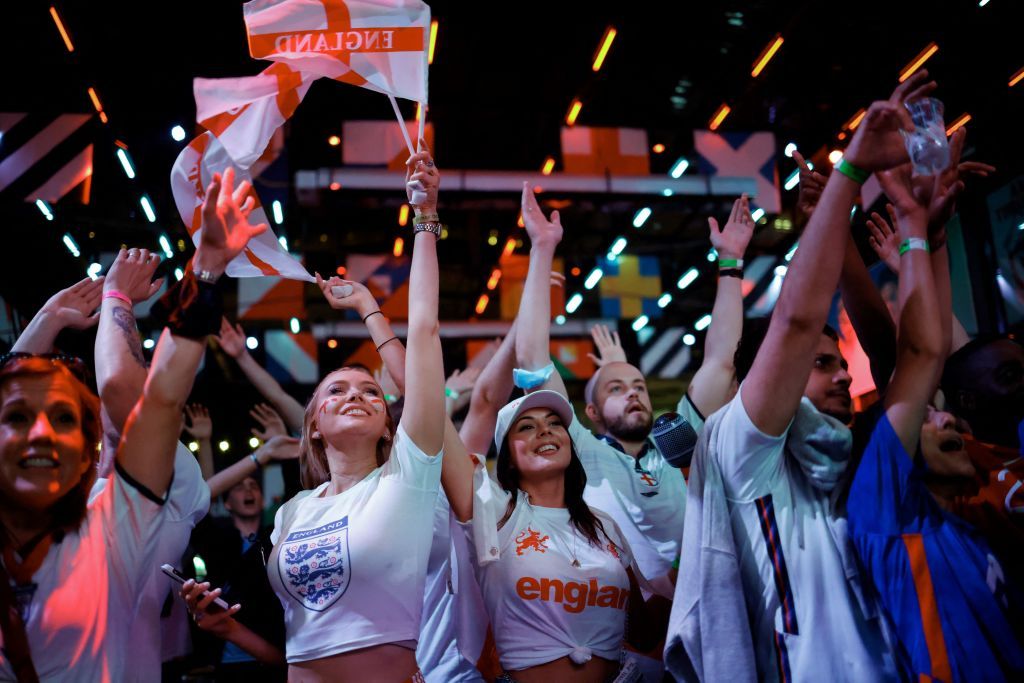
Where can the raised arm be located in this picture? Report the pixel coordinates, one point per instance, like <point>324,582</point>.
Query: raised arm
<point>120,365</point>
<point>711,386</point>
<point>232,340</point>
<point>147,447</point>
<point>71,307</point>
<point>200,427</point>
<point>534,318</point>
<point>423,417</point>
<point>921,344</point>
<point>775,385</point>
<point>277,448</point>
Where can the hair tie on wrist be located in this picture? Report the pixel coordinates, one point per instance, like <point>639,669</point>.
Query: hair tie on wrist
<point>385,342</point>
<point>114,294</point>
<point>731,272</point>
<point>372,313</point>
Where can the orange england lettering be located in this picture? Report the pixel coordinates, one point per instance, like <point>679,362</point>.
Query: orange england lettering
<point>572,595</point>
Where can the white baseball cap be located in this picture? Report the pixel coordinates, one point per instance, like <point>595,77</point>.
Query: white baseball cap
<point>545,398</point>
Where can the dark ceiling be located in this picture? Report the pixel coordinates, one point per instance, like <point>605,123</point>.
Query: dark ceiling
<point>502,80</point>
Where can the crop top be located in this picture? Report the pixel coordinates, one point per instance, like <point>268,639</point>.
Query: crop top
<point>349,569</point>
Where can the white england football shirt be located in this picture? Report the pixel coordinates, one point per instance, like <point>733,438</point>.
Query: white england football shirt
<point>350,568</point>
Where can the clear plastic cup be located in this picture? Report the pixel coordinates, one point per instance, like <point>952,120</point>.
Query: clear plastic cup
<point>927,145</point>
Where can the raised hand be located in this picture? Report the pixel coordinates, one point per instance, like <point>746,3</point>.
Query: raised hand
<point>387,383</point>
<point>877,145</point>
<point>609,347</point>
<point>74,307</point>
<point>216,621</point>
<point>231,339</point>
<point>226,227</point>
<point>279,447</point>
<point>271,423</point>
<point>949,179</point>
<point>812,184</point>
<point>540,229</point>
<point>732,240</point>
<point>199,425</point>
<point>884,238</point>
<point>131,274</point>
<point>359,298</point>
<point>420,168</point>
<point>462,381</point>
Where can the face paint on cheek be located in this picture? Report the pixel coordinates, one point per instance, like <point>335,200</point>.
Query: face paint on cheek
<point>377,403</point>
<point>333,402</point>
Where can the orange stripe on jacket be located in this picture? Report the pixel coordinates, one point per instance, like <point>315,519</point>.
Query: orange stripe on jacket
<point>930,621</point>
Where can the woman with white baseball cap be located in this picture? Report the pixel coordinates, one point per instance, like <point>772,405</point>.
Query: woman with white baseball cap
<point>557,575</point>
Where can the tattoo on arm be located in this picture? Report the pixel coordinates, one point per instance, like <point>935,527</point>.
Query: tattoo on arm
<point>125,320</point>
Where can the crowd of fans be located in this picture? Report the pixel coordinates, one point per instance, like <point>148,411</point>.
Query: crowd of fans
<point>805,541</point>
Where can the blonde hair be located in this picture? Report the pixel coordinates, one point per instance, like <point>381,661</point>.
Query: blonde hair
<point>313,467</point>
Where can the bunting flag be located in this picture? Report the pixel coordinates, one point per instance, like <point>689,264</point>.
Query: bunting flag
<point>379,143</point>
<point>292,357</point>
<point>270,298</point>
<point>45,157</point>
<point>571,359</point>
<point>513,277</point>
<point>617,151</point>
<point>371,44</point>
<point>631,286</point>
<point>742,155</point>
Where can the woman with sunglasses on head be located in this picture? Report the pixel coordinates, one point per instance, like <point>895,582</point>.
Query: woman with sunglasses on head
<point>557,575</point>
<point>72,567</point>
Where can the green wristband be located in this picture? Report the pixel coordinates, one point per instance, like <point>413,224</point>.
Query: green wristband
<point>730,263</point>
<point>855,174</point>
<point>912,243</point>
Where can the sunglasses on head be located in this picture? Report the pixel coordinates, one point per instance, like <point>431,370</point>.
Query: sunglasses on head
<point>74,364</point>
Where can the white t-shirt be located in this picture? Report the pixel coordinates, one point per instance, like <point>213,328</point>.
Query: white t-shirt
<point>647,499</point>
<point>541,606</point>
<point>153,635</point>
<point>80,609</point>
<point>437,651</point>
<point>349,569</point>
<point>804,617</point>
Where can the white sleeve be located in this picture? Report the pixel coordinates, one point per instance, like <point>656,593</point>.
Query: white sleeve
<point>189,498</point>
<point>751,461</point>
<point>490,502</point>
<point>411,465</point>
<point>588,447</point>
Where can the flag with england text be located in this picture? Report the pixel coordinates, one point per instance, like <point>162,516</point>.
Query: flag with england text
<point>380,45</point>
<point>742,155</point>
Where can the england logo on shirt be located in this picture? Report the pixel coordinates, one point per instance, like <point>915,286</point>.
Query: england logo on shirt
<point>314,565</point>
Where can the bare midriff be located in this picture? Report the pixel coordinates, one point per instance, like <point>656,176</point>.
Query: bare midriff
<point>378,664</point>
<point>597,670</point>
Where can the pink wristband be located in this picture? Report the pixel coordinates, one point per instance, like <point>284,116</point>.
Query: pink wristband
<point>114,294</point>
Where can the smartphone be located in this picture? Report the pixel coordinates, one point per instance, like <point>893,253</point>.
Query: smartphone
<point>174,574</point>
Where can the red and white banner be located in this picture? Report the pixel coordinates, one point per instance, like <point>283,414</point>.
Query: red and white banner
<point>596,151</point>
<point>191,174</point>
<point>376,44</point>
<point>244,113</point>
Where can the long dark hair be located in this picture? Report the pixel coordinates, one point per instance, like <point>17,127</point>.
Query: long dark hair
<point>580,514</point>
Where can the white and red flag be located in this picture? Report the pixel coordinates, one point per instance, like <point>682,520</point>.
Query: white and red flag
<point>376,44</point>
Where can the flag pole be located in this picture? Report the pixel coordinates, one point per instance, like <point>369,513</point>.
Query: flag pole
<point>401,124</point>
<point>423,119</point>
